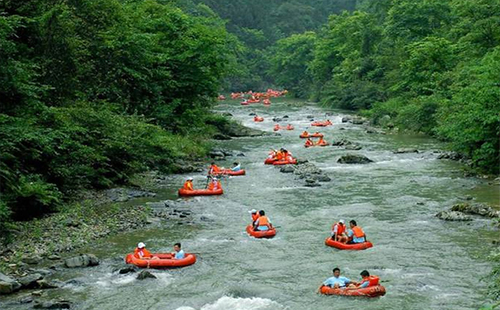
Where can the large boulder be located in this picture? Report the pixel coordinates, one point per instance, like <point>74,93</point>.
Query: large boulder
<point>476,209</point>
<point>216,154</point>
<point>453,216</point>
<point>32,260</point>
<point>84,260</point>
<point>354,159</point>
<point>30,281</point>
<point>8,285</point>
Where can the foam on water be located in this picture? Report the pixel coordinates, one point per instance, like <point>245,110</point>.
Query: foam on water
<point>232,303</point>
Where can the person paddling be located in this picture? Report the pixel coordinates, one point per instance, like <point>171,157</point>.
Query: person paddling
<point>262,223</point>
<point>214,184</point>
<point>355,234</point>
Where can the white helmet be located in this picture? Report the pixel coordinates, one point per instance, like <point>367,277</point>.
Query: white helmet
<point>141,245</point>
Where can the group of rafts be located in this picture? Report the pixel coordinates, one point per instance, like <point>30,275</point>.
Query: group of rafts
<point>261,227</point>
<point>256,97</point>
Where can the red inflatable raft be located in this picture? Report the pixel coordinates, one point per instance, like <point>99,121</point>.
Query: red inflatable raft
<point>285,162</point>
<point>314,135</point>
<point>200,192</point>
<point>371,291</point>
<point>321,123</point>
<point>344,246</point>
<point>164,261</point>
<point>269,161</point>
<point>261,234</point>
<point>231,172</point>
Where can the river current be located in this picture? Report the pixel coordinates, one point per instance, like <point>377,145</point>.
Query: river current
<point>423,262</point>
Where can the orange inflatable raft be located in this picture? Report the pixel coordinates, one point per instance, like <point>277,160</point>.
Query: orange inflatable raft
<point>164,261</point>
<point>371,291</point>
<point>270,161</point>
<point>314,135</point>
<point>200,192</point>
<point>262,233</point>
<point>231,172</point>
<point>321,123</point>
<point>345,246</point>
<point>292,161</point>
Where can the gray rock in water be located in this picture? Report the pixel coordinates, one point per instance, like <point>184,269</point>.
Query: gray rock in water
<point>60,304</point>
<point>216,154</point>
<point>29,281</point>
<point>26,300</point>
<point>128,269</point>
<point>346,119</point>
<point>358,120</point>
<point>83,260</point>
<point>44,284</point>
<point>405,150</point>
<point>252,114</point>
<point>8,285</point>
<point>145,274</point>
<point>323,178</point>
<point>277,119</point>
<point>312,183</point>
<point>241,154</point>
<point>310,116</point>
<point>353,147</point>
<point>54,257</point>
<point>453,216</point>
<point>354,159</point>
<point>285,116</point>
<point>451,156</point>
<point>476,209</point>
<point>287,169</point>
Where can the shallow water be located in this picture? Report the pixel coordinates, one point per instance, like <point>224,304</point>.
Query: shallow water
<point>424,263</point>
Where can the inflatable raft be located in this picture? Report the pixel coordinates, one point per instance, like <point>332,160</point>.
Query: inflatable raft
<point>344,246</point>
<point>231,172</point>
<point>269,161</point>
<point>199,192</point>
<point>321,123</point>
<point>371,291</point>
<point>261,234</point>
<point>164,261</point>
<point>285,162</point>
<point>314,135</point>
<point>258,119</point>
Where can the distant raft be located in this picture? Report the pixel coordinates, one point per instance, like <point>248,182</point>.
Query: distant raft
<point>371,291</point>
<point>200,192</point>
<point>165,261</point>
<point>344,246</point>
<point>230,172</point>
<point>262,233</point>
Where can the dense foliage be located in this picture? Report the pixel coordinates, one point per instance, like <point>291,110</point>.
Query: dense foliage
<point>422,65</point>
<point>93,91</point>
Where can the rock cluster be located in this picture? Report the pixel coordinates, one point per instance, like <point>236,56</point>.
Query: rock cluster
<point>307,171</point>
<point>354,159</point>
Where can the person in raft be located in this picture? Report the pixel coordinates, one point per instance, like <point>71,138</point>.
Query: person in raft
<point>236,167</point>
<point>337,281</point>
<point>255,216</point>
<point>213,169</point>
<point>309,142</point>
<point>214,184</point>
<point>305,134</point>
<point>142,253</point>
<point>366,280</point>
<point>338,230</point>
<point>178,253</point>
<point>355,234</point>
<point>188,185</point>
<point>262,223</point>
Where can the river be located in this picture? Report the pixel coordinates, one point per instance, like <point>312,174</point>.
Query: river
<point>424,263</point>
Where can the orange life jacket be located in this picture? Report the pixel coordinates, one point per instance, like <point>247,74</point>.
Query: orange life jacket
<point>305,134</point>
<point>263,221</point>
<point>214,185</point>
<point>255,216</point>
<point>188,185</point>
<point>373,280</point>
<point>214,169</point>
<point>340,228</point>
<point>141,253</point>
<point>309,142</point>
<point>321,141</point>
<point>280,156</point>
<point>358,232</point>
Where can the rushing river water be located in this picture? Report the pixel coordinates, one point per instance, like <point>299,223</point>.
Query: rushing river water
<point>423,262</point>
